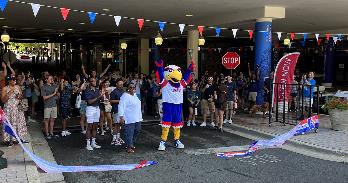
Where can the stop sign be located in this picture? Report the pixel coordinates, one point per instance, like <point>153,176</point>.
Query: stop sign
<point>231,60</point>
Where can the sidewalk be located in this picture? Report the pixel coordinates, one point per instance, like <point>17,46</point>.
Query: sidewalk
<point>20,168</point>
<point>326,141</point>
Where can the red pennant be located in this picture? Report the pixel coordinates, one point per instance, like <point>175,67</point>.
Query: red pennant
<point>292,35</point>
<point>327,36</point>
<point>200,29</point>
<point>319,41</point>
<point>64,12</point>
<point>140,23</point>
<point>251,32</point>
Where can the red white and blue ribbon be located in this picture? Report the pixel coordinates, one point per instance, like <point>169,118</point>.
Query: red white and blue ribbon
<point>301,128</point>
<point>49,167</point>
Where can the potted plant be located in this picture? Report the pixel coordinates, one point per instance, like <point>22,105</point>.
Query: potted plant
<point>338,111</point>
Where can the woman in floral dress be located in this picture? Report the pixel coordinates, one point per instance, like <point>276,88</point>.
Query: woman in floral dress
<point>11,96</point>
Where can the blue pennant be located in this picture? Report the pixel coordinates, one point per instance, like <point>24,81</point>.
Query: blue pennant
<point>161,25</point>
<point>217,30</point>
<point>3,4</point>
<point>304,36</point>
<point>92,16</point>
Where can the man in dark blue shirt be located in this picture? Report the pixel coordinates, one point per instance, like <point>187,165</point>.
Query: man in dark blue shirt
<point>92,96</point>
<point>115,96</point>
<point>231,98</point>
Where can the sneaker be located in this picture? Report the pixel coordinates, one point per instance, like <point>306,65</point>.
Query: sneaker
<point>179,145</point>
<point>116,142</point>
<point>193,123</point>
<point>83,131</point>
<point>121,141</point>
<point>162,146</point>
<point>230,121</point>
<point>95,145</point>
<point>188,123</point>
<point>49,137</point>
<point>225,121</point>
<point>67,133</point>
<point>89,147</point>
<point>102,133</point>
<point>203,124</point>
<point>212,124</point>
<point>63,133</point>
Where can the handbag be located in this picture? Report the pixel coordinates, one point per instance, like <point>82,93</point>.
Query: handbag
<point>23,105</point>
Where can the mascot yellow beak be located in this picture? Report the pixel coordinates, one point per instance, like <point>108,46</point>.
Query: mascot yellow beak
<point>174,76</point>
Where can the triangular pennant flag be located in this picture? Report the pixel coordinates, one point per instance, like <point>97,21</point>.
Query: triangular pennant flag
<point>217,30</point>
<point>327,36</point>
<point>219,49</point>
<point>335,39</point>
<point>279,34</point>
<point>161,25</point>
<point>92,16</point>
<point>140,23</point>
<point>339,37</point>
<point>319,41</point>
<point>317,36</point>
<point>292,35</point>
<point>234,32</point>
<point>117,20</point>
<point>64,12</point>
<point>304,36</point>
<point>181,27</point>
<point>200,30</point>
<point>250,33</point>
<point>3,4</point>
<point>36,8</point>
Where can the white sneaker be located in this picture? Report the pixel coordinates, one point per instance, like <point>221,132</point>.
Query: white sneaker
<point>179,145</point>
<point>89,147</point>
<point>162,146</point>
<point>102,133</point>
<point>121,141</point>
<point>203,124</point>
<point>67,133</point>
<point>116,142</point>
<point>225,121</point>
<point>212,124</point>
<point>193,123</point>
<point>230,121</point>
<point>95,145</point>
<point>83,132</point>
<point>188,123</point>
<point>63,133</point>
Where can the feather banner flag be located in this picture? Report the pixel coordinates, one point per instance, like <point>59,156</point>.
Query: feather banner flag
<point>36,8</point>
<point>92,16</point>
<point>279,34</point>
<point>117,20</point>
<point>64,12</point>
<point>234,32</point>
<point>304,126</point>
<point>49,167</point>
<point>3,4</point>
<point>181,27</point>
<point>217,30</point>
<point>140,23</point>
<point>161,25</point>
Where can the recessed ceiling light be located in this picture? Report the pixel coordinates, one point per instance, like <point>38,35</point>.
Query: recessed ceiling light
<point>5,26</point>
<point>70,29</point>
<point>105,9</point>
<point>82,23</point>
<point>2,18</point>
<point>188,15</point>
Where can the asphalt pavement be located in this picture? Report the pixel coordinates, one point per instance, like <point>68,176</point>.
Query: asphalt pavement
<point>174,165</point>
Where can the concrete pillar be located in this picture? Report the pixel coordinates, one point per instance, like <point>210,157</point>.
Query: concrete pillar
<point>192,46</point>
<point>263,52</point>
<point>329,63</point>
<point>143,55</point>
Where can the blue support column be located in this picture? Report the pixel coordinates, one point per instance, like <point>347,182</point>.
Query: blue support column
<point>263,52</point>
<point>329,62</point>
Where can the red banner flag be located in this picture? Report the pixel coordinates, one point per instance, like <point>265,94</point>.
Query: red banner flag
<point>64,12</point>
<point>283,76</point>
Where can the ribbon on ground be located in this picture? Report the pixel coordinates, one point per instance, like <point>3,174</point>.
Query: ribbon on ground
<point>301,128</point>
<point>49,167</point>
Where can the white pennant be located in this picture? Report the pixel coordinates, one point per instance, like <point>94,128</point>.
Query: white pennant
<point>335,39</point>
<point>219,50</point>
<point>317,36</point>
<point>279,35</point>
<point>181,26</point>
<point>117,20</point>
<point>234,32</point>
<point>36,8</point>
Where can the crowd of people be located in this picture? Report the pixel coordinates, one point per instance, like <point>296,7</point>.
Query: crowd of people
<point>107,102</point>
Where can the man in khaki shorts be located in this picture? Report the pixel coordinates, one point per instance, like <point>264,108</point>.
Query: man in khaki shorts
<point>207,102</point>
<point>50,95</point>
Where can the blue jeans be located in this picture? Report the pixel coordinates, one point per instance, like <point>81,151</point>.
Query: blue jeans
<point>131,132</point>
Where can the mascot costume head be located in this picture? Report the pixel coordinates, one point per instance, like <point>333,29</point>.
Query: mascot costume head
<point>172,83</point>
